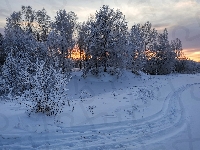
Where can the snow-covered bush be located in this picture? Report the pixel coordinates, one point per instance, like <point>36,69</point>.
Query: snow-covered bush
<point>145,95</point>
<point>47,93</point>
<point>95,71</point>
<point>3,86</point>
<point>187,66</point>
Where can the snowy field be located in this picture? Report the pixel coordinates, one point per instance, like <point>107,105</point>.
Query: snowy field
<point>133,112</point>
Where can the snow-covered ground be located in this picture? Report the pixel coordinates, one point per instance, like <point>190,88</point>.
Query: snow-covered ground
<point>133,112</point>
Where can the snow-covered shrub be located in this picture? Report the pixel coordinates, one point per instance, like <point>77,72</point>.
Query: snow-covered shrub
<point>47,91</point>
<point>91,109</point>
<point>95,71</point>
<point>115,71</point>
<point>3,87</point>
<point>145,95</point>
<point>187,66</point>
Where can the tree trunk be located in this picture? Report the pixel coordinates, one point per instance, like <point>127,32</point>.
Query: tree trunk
<point>80,60</point>
<point>105,63</point>
<point>105,69</point>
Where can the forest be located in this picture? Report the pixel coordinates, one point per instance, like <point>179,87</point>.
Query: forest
<point>38,53</point>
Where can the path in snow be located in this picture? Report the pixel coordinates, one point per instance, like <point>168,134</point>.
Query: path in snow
<point>126,134</point>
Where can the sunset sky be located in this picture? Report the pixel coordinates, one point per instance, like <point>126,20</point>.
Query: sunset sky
<point>180,17</point>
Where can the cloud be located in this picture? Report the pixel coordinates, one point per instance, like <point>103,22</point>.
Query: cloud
<point>180,17</point>
<point>193,54</point>
<point>136,11</point>
<point>2,30</point>
<point>163,12</point>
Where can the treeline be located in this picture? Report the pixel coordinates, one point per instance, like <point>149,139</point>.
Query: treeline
<point>36,53</point>
<point>104,42</point>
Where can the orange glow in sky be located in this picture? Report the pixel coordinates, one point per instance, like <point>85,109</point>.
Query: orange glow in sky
<point>193,54</point>
<point>75,54</point>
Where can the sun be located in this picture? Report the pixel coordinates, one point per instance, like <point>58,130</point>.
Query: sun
<point>77,54</point>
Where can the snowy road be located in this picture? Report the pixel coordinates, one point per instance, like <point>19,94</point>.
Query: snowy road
<point>118,135</point>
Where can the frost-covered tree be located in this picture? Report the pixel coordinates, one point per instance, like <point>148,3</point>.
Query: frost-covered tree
<point>108,38</point>
<point>142,39</point>
<point>148,34</point>
<point>43,25</point>
<point>64,26</point>
<point>22,50</point>
<point>181,60</point>
<point>189,66</point>
<point>168,56</point>
<point>27,21</point>
<point>161,58</point>
<point>176,45</point>
<point>14,21</point>
<point>35,22</point>
<point>136,53</point>
<point>2,53</point>
<point>85,41</point>
<point>22,25</point>
<point>57,59</point>
<point>22,45</point>
<point>185,65</point>
<point>82,42</point>
<point>47,92</point>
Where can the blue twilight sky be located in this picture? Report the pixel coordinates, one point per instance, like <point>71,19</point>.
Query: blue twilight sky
<point>180,17</point>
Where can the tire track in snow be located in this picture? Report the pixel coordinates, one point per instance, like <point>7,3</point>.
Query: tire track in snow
<point>124,134</point>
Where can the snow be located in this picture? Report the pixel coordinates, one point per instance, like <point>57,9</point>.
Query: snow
<point>130,112</point>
